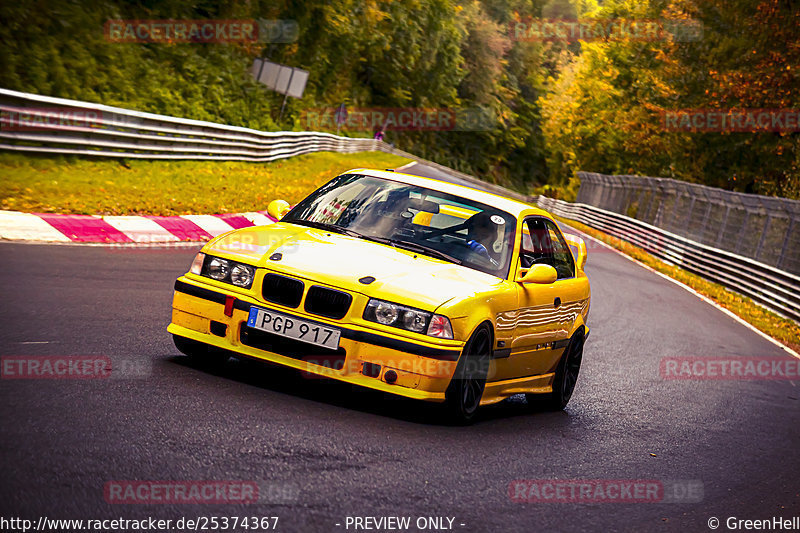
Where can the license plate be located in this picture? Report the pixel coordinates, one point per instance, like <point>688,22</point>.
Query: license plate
<point>294,328</point>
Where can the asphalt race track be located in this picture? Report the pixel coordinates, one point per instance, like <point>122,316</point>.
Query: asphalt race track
<point>326,451</point>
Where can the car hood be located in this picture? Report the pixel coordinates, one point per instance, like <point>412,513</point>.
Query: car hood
<point>340,261</point>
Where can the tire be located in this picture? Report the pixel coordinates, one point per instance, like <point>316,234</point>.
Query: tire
<point>565,379</point>
<point>463,395</point>
<point>201,354</point>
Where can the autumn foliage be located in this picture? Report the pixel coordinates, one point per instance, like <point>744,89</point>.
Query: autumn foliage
<point>557,105</point>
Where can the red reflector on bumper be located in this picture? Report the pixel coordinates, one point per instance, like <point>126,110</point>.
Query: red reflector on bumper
<point>229,301</point>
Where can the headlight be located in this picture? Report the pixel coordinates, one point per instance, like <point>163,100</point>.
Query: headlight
<point>399,316</point>
<point>386,313</point>
<point>197,264</point>
<point>224,270</point>
<point>218,268</point>
<point>242,275</point>
<point>415,320</point>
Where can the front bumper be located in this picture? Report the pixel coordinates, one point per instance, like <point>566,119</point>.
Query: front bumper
<point>423,369</point>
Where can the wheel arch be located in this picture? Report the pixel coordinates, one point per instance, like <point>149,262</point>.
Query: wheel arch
<point>579,326</point>
<point>490,326</point>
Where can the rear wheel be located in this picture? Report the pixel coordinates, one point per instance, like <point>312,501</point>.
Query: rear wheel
<point>201,354</point>
<point>565,379</point>
<point>463,396</point>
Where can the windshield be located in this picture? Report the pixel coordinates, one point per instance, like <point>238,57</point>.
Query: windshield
<point>422,220</point>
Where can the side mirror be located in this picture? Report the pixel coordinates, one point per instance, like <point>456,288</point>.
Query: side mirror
<point>277,209</point>
<point>578,247</point>
<point>544,274</point>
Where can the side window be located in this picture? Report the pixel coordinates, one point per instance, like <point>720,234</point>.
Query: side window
<point>526,253</point>
<point>536,248</point>
<point>542,243</point>
<point>562,255</point>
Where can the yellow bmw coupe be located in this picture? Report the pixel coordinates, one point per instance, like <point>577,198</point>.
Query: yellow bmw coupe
<point>399,283</point>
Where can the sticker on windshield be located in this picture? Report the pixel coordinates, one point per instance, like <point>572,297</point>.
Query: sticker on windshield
<point>497,219</point>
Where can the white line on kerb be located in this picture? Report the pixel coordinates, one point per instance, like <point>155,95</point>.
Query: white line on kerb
<point>406,165</point>
<point>691,290</point>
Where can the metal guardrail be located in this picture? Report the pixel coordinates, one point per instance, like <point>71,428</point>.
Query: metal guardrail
<point>464,179</point>
<point>775,289</point>
<point>763,228</point>
<point>42,124</point>
<point>99,130</point>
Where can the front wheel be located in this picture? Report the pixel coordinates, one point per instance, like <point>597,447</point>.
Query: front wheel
<point>565,379</point>
<point>463,396</point>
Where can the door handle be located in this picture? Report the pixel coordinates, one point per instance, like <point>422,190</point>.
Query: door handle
<point>557,302</point>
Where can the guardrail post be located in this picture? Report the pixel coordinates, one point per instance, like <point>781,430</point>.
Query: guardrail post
<point>640,201</point>
<point>655,192</point>
<point>741,232</point>
<point>785,246</point>
<point>673,220</point>
<point>627,199</point>
<point>763,237</point>
<point>703,225</point>
<point>604,193</point>
<point>721,232</point>
<point>688,224</point>
<point>581,190</point>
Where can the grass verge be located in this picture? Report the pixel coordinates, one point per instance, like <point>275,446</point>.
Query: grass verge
<point>782,329</point>
<point>137,187</point>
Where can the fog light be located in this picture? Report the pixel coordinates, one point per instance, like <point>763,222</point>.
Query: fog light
<point>390,376</point>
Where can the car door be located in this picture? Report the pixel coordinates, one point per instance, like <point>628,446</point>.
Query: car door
<point>546,311</point>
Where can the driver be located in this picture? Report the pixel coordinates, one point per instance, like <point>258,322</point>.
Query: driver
<point>482,234</point>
